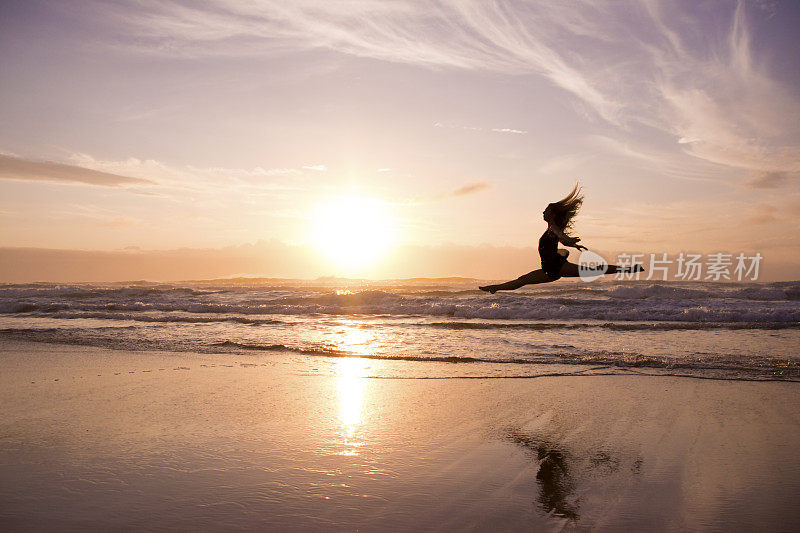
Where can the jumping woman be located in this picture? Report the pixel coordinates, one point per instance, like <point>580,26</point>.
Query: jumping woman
<point>559,217</point>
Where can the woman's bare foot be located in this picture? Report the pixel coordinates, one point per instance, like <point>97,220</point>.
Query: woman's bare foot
<point>488,288</point>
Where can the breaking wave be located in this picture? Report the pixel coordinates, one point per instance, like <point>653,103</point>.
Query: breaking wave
<point>618,326</point>
<point>689,303</point>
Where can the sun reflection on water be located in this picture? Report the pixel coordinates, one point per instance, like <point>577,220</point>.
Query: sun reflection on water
<point>353,339</point>
<point>351,384</point>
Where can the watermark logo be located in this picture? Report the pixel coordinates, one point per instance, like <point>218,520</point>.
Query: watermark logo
<point>591,265</point>
<point>717,266</point>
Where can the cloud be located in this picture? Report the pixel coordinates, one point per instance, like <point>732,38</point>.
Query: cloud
<point>768,180</point>
<point>476,128</point>
<point>317,168</point>
<point>14,168</point>
<point>761,214</point>
<point>509,130</point>
<point>449,33</point>
<point>469,188</point>
<point>628,64</point>
<point>723,106</point>
<point>674,165</point>
<point>198,179</point>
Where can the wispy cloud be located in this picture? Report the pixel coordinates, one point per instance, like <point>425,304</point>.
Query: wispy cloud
<point>509,130</point>
<point>719,104</point>
<point>476,128</point>
<point>193,177</point>
<point>317,168</point>
<point>14,168</point>
<point>467,189</point>
<point>629,64</point>
<point>768,180</point>
<point>503,37</point>
<point>652,160</point>
<point>762,214</point>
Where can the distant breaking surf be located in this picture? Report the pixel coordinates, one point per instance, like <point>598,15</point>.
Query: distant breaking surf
<point>619,326</point>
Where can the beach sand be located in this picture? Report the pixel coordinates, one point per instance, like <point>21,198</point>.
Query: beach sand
<point>95,439</point>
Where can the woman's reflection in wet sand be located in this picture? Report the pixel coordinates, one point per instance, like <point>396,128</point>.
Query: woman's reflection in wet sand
<point>554,478</point>
<point>560,471</point>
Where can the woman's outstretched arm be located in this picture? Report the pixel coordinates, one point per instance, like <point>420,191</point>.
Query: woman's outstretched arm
<point>565,239</point>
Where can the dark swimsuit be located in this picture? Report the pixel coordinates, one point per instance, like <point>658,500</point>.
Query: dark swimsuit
<point>548,252</point>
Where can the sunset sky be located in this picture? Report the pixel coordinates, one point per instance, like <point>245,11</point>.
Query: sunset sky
<point>164,125</point>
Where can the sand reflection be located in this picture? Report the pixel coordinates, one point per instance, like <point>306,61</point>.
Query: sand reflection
<point>561,470</point>
<point>555,475</point>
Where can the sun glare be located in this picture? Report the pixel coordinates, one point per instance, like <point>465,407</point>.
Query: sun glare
<point>353,232</point>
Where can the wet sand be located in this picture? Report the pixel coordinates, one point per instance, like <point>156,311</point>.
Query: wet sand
<point>95,439</point>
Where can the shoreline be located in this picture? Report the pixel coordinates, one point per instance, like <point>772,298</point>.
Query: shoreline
<point>570,369</point>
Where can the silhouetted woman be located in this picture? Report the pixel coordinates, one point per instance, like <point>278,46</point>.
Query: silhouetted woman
<point>559,217</point>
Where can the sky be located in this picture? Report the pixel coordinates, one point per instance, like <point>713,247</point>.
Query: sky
<point>159,126</point>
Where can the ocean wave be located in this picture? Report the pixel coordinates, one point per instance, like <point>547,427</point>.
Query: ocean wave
<point>365,290</point>
<point>325,351</point>
<point>578,323</point>
<point>507,308</point>
<point>724,366</point>
<point>669,292</point>
<point>654,302</point>
<point>614,326</point>
<point>79,292</point>
<point>318,350</point>
<point>164,318</point>
<point>13,307</point>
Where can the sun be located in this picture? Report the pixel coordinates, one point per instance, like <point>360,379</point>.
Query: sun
<point>353,232</point>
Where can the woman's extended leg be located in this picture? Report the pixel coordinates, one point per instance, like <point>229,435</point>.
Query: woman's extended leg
<point>531,278</point>
<point>571,270</point>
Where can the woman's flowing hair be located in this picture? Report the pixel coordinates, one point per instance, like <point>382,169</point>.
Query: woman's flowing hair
<point>565,209</point>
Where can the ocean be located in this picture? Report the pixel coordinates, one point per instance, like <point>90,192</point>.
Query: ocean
<point>730,331</point>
